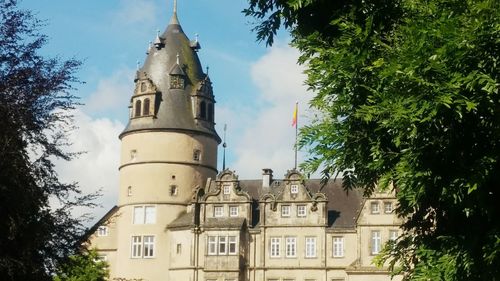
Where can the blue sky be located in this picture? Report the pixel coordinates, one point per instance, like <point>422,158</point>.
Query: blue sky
<point>256,87</point>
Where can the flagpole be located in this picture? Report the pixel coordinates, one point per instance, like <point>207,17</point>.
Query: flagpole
<point>296,131</point>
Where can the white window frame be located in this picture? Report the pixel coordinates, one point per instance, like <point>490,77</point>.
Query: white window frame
<point>223,243</point>
<point>376,242</point>
<point>286,211</point>
<point>226,189</point>
<point>301,211</point>
<point>212,245</point>
<point>375,207</point>
<point>232,243</point>
<point>148,246</point>
<point>388,208</point>
<point>274,249</point>
<point>311,247</point>
<point>136,247</point>
<point>393,234</point>
<point>102,231</point>
<point>233,211</point>
<point>294,188</point>
<point>338,246</point>
<point>149,214</point>
<point>138,216</point>
<point>218,211</point>
<point>291,247</point>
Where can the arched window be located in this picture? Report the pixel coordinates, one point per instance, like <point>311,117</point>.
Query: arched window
<point>138,108</point>
<point>145,111</point>
<point>203,110</point>
<point>211,112</point>
<point>143,86</point>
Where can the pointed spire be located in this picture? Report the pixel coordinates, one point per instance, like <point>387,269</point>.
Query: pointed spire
<point>174,19</point>
<point>158,41</point>
<point>224,145</point>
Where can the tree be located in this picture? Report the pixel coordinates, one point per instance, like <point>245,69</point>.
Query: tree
<point>85,266</point>
<point>407,97</point>
<point>36,229</point>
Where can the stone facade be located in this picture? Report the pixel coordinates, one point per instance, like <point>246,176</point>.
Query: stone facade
<point>178,219</point>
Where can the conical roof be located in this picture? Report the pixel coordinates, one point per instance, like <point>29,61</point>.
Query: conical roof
<point>174,106</point>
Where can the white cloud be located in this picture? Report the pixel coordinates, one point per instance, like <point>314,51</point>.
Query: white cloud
<point>112,93</point>
<point>266,138</point>
<point>133,12</point>
<point>98,167</point>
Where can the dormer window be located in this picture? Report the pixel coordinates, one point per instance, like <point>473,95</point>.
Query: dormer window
<point>210,112</point>
<point>145,111</point>
<point>143,86</point>
<point>203,110</point>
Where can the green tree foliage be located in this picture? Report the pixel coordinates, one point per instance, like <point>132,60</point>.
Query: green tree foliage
<point>34,117</point>
<point>407,92</point>
<point>83,267</point>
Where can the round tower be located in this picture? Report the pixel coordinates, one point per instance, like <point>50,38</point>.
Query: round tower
<point>168,149</point>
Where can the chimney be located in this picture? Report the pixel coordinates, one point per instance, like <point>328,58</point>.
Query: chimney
<point>267,177</point>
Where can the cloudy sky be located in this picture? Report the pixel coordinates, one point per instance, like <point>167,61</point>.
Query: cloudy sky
<point>255,87</point>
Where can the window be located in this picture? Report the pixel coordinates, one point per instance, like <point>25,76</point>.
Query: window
<point>310,247</point>
<point>133,154</point>
<point>226,189</point>
<point>232,245</point>
<point>145,111</point>
<point>393,234</point>
<point>179,248</point>
<point>149,246</point>
<point>129,191</point>
<point>375,208</point>
<point>143,86</point>
<point>102,258</point>
<point>196,155</point>
<point>294,189</point>
<point>275,247</point>
<point>138,105</point>
<point>218,211</point>
<point>173,190</point>
<point>285,210</point>
<point>212,245</point>
<point>291,247</point>
<point>176,82</point>
<point>222,245</point>
<point>388,207</point>
<point>301,211</point>
<point>233,211</point>
<point>144,215</point>
<point>338,247</point>
<point>210,112</point>
<point>102,231</point>
<point>203,110</point>
<point>136,246</point>
<point>376,242</point>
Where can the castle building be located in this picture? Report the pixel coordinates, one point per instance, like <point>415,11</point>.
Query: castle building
<point>178,218</point>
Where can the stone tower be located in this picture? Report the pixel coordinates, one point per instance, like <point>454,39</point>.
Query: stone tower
<point>168,149</point>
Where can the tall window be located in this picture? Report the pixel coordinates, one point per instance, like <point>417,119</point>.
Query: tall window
<point>338,247</point>
<point>285,210</point>
<point>375,208</point>
<point>232,245</point>
<point>138,105</point>
<point>144,215</point>
<point>218,211</point>
<point>212,245</point>
<point>145,111</point>
<point>222,245</point>
<point>196,155</point>
<point>275,247</point>
<point>376,242</point>
<point>291,247</point>
<point>173,190</point>
<point>310,247</point>
<point>210,112</point>
<point>203,110</point>
<point>226,189</point>
<point>143,246</point>
<point>129,191</point>
<point>301,211</point>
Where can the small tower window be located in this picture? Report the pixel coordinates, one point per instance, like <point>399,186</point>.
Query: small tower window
<point>203,110</point>
<point>143,86</point>
<point>138,105</point>
<point>145,111</point>
<point>196,155</point>
<point>210,112</point>
<point>173,190</point>
<point>129,191</point>
<point>133,154</point>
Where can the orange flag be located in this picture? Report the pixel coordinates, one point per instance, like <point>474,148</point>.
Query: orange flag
<point>294,120</point>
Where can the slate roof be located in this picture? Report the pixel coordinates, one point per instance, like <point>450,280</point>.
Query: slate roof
<point>175,111</point>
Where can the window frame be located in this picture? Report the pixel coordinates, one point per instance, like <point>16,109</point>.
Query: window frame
<point>226,189</point>
<point>136,247</point>
<point>218,214</point>
<point>294,189</point>
<point>375,207</point>
<point>375,242</point>
<point>291,247</point>
<point>274,247</point>
<point>102,231</point>
<point>338,247</point>
<point>212,245</point>
<point>286,207</point>
<point>148,245</point>
<point>310,247</point>
<point>390,209</point>
<point>232,208</point>
<point>232,241</point>
<point>299,211</point>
